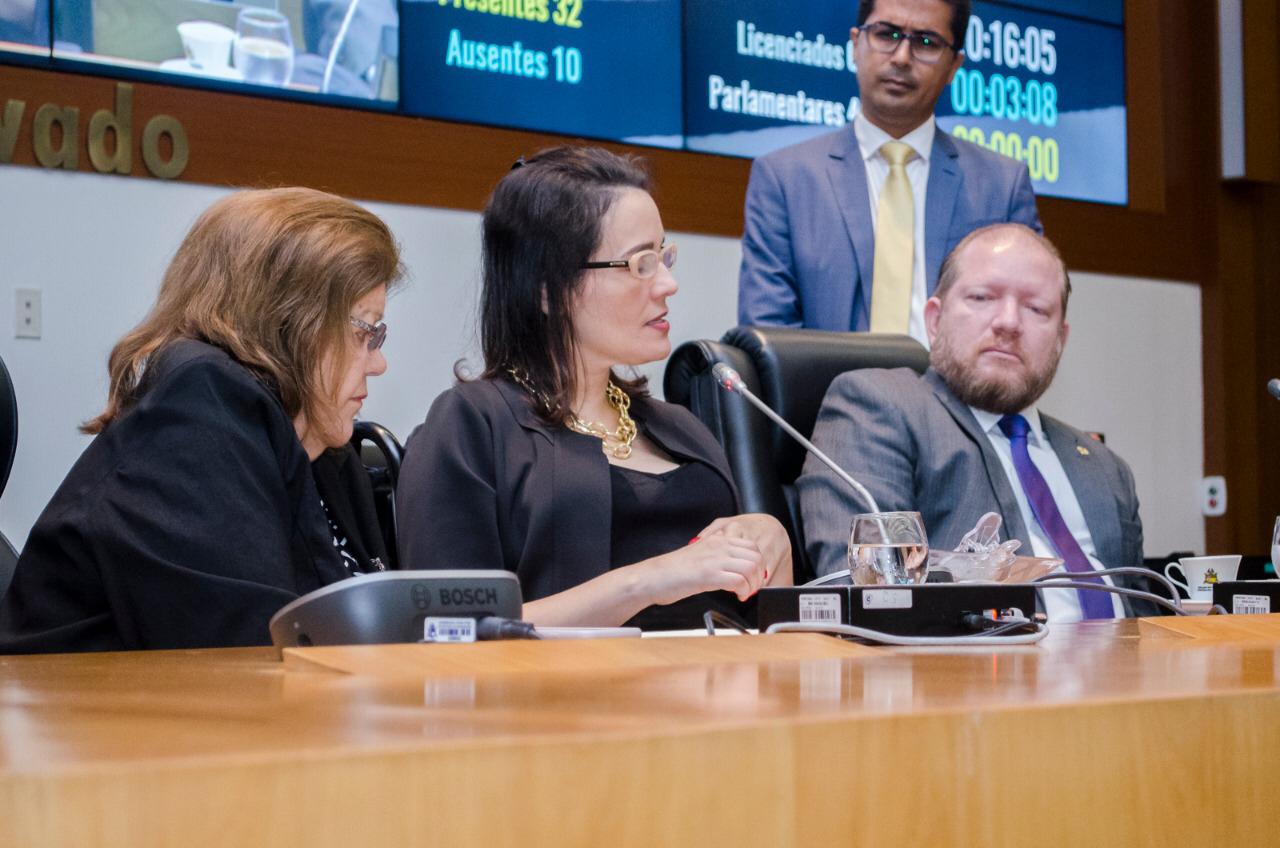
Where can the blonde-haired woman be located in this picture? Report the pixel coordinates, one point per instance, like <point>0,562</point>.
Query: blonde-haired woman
<point>194,514</point>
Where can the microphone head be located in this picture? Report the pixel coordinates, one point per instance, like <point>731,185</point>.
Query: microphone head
<point>1273,386</point>
<point>726,377</point>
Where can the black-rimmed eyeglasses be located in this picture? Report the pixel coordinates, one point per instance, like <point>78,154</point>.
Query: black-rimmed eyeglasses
<point>926,47</point>
<point>377,332</point>
<point>644,264</point>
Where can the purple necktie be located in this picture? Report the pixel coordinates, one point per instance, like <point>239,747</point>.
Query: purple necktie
<point>1093,604</point>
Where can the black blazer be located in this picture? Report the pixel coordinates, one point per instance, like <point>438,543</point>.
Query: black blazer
<point>344,484</point>
<point>485,483</point>
<point>187,523</point>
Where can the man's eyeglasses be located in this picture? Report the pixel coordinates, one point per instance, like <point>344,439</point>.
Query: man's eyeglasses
<point>377,332</point>
<point>926,47</point>
<point>643,265</point>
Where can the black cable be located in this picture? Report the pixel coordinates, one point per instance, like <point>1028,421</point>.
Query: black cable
<point>983,626</point>
<point>711,618</point>
<point>1009,627</point>
<point>493,628</point>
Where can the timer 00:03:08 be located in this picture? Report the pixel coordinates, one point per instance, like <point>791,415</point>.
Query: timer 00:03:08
<point>1004,98</point>
<point>1041,155</point>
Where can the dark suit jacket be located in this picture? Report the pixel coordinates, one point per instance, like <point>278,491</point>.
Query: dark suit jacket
<point>915,446</point>
<point>187,523</point>
<point>485,483</point>
<point>808,247</point>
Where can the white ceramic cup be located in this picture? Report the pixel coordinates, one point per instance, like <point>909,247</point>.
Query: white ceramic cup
<point>207,45</point>
<point>1203,572</point>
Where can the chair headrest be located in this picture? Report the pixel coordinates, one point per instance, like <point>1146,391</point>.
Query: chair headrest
<point>8,425</point>
<point>369,437</point>
<point>795,367</point>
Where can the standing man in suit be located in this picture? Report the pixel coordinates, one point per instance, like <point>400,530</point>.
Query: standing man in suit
<point>966,437</point>
<point>847,231</point>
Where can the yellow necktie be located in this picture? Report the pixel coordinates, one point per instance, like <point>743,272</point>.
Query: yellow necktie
<point>895,245</point>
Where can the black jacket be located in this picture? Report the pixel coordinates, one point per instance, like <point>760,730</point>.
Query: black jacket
<point>188,522</point>
<point>487,484</point>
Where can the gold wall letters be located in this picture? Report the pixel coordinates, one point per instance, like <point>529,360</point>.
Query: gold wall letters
<point>115,157</point>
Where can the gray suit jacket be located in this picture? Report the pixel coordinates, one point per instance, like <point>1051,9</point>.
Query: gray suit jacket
<point>915,446</point>
<point>808,247</point>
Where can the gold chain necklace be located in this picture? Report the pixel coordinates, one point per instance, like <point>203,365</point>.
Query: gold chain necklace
<point>523,379</point>
<point>616,442</point>
<point>617,398</point>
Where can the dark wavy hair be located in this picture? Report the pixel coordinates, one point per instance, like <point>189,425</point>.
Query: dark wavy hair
<point>959,18</point>
<point>541,225</point>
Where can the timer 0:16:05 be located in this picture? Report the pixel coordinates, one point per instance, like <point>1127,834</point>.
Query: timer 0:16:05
<point>1040,155</point>
<point>1007,44</point>
<point>1004,98</point>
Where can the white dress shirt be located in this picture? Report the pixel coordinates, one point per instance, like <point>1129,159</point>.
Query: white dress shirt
<point>1061,605</point>
<point>870,139</point>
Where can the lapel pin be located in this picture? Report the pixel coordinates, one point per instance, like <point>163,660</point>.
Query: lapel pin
<point>1082,450</point>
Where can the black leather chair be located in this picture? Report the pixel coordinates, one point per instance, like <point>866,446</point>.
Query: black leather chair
<point>8,448</point>
<point>381,453</point>
<point>790,371</point>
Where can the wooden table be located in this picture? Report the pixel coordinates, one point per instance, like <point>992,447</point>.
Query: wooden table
<point>1102,735</point>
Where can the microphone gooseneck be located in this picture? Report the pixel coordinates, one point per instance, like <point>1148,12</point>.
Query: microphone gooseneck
<point>730,381</point>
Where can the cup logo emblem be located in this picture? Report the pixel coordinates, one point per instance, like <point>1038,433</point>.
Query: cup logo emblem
<point>1211,576</point>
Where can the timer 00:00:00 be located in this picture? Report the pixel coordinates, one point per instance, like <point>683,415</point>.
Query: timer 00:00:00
<point>1040,154</point>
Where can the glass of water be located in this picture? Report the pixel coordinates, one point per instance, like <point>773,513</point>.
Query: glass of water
<point>264,47</point>
<point>888,548</point>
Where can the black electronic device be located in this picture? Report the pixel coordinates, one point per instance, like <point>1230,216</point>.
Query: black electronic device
<point>1248,597</point>
<point>393,606</point>
<point>931,609</point>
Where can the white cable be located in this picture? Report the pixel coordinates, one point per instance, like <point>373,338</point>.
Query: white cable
<point>337,45</point>
<point>1061,581</point>
<point>1042,630</point>
<point>1144,573</point>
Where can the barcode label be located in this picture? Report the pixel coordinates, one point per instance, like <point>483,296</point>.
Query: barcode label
<point>820,609</point>
<point>1251,604</point>
<point>449,629</point>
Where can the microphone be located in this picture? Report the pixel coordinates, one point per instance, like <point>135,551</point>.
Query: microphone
<point>731,381</point>
<point>1273,386</point>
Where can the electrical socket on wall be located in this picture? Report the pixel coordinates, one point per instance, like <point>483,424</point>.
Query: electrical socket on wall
<point>26,313</point>
<point>1213,496</point>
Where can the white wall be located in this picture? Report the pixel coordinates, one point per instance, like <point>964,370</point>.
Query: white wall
<point>96,246</point>
<point>1132,370</point>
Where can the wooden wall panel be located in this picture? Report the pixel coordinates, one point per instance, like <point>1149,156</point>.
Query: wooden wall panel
<point>252,141</point>
<point>1262,89</point>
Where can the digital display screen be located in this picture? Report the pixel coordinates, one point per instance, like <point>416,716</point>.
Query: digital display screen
<point>1043,81</point>
<point>1046,89</point>
<point>339,49</point>
<point>1049,91</point>
<point>760,75</point>
<point>24,28</point>
<point>597,68</point>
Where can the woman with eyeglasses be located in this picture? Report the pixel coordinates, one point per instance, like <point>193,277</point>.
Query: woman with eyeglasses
<point>609,506</point>
<point>195,513</point>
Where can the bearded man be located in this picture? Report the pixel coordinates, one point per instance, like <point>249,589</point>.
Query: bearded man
<point>966,438</point>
